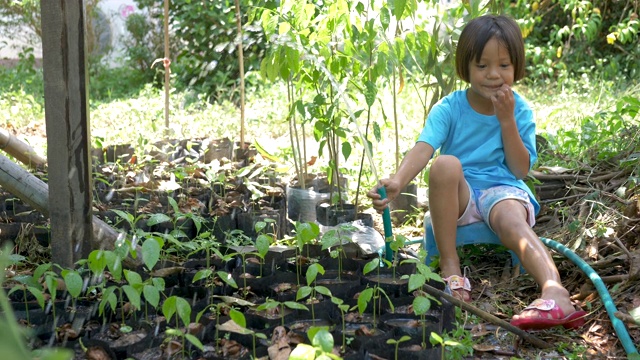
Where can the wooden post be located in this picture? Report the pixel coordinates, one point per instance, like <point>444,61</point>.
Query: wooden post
<point>68,130</point>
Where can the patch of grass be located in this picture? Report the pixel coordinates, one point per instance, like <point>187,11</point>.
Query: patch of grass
<point>579,118</point>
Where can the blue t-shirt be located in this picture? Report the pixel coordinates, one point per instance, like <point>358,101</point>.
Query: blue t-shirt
<point>476,140</point>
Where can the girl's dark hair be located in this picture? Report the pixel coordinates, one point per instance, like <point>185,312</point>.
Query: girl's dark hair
<point>478,32</point>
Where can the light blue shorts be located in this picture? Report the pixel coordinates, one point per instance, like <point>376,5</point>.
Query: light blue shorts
<point>481,202</point>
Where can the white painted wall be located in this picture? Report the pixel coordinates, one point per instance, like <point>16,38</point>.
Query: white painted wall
<point>113,16</point>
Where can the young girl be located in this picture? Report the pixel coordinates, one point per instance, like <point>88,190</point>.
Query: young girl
<point>486,137</point>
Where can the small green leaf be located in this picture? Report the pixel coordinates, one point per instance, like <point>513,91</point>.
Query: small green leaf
<point>37,293</point>
<point>303,352</point>
<point>324,340</point>
<point>346,149</point>
<point>416,281</point>
<point>169,307</point>
<point>74,283</point>
<point>371,265</point>
<point>151,295</point>
<point>202,274</point>
<point>296,306</point>
<point>194,340</point>
<point>370,93</point>
<point>158,218</point>
<point>303,292</point>
<point>97,262</point>
<point>238,318</point>
<point>421,305</point>
<point>270,304</point>
<point>125,329</point>
<point>227,278</point>
<point>363,299</point>
<point>262,244</point>
<point>133,278</point>
<point>132,295</point>
<point>184,310</point>
<point>323,290</point>
<point>436,339</point>
<point>150,252</point>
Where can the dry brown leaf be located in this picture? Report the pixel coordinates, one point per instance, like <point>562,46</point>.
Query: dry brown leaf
<point>195,328</point>
<point>231,348</point>
<point>171,348</point>
<point>97,353</point>
<point>480,330</point>
<point>483,347</point>
<point>280,348</point>
<point>363,330</point>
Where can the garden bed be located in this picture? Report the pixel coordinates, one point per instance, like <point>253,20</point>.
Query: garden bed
<point>223,308</point>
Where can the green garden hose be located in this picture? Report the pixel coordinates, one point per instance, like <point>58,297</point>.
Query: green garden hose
<point>386,222</point>
<point>618,325</point>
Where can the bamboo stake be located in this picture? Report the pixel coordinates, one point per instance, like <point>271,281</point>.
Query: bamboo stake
<point>241,68</point>
<point>20,150</point>
<point>167,64</point>
<point>488,317</point>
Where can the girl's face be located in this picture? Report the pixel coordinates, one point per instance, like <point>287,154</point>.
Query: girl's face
<point>487,76</point>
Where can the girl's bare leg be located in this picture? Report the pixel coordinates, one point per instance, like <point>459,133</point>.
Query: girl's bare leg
<point>508,220</point>
<point>448,198</point>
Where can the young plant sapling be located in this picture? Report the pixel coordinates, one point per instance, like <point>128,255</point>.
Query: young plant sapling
<point>343,310</point>
<point>241,321</point>
<point>152,286</point>
<point>397,343</point>
<point>422,300</point>
<point>321,346</point>
<point>306,232</point>
<point>338,236</point>
<point>310,290</point>
<point>74,284</point>
<point>263,242</point>
<point>30,285</point>
<point>271,305</point>
<point>374,293</point>
<point>209,274</point>
<point>178,306</point>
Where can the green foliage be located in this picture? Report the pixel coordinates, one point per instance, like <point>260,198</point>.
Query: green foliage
<point>567,38</point>
<point>321,345</point>
<point>455,345</point>
<point>207,33</point>
<point>601,137</point>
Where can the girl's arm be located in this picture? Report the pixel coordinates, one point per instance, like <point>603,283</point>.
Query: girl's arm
<point>415,160</point>
<point>515,152</point>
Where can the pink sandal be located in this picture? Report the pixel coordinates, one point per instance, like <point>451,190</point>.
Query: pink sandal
<point>460,287</point>
<point>549,315</point>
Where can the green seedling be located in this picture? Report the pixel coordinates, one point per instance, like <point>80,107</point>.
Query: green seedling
<point>178,306</point>
<point>310,290</point>
<point>321,346</point>
<point>337,236</point>
<point>132,289</point>
<point>270,305</point>
<point>74,284</point>
<point>343,310</point>
<point>422,301</point>
<point>30,285</point>
<point>373,295</point>
<point>305,234</point>
<point>397,343</point>
<point>227,302</point>
<point>241,321</point>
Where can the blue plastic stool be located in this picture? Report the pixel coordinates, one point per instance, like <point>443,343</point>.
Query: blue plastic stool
<point>476,233</point>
